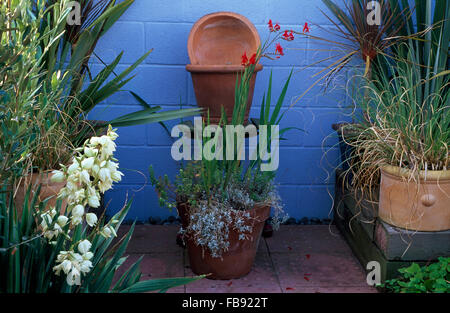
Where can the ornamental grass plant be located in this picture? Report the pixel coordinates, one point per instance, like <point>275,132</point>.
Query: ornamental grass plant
<point>406,121</point>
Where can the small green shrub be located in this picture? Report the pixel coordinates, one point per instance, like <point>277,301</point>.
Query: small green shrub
<point>434,278</point>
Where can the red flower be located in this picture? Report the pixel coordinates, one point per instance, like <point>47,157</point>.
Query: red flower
<point>279,49</point>
<point>271,26</point>
<point>246,62</point>
<point>244,59</point>
<point>252,59</point>
<point>306,28</point>
<point>289,36</point>
<point>277,27</point>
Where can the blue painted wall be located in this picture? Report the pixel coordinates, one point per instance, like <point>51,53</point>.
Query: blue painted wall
<point>305,175</point>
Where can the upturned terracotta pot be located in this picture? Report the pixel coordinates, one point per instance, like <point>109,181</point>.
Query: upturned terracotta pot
<point>215,46</point>
<point>423,206</point>
<point>238,260</point>
<point>48,189</point>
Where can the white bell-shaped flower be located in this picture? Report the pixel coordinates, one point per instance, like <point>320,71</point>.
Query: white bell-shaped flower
<point>84,246</point>
<point>91,219</point>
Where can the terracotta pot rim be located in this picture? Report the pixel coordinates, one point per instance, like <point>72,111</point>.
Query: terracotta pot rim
<point>424,175</point>
<point>228,14</point>
<point>256,205</point>
<point>199,68</point>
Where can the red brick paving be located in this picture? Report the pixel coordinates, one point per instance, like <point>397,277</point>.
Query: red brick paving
<point>297,259</point>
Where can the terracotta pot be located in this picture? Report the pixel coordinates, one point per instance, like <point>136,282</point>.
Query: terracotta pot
<point>48,189</point>
<point>216,44</point>
<point>409,205</point>
<point>239,258</point>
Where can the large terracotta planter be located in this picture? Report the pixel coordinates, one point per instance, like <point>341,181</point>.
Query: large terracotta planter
<point>215,46</point>
<point>48,189</point>
<point>409,205</point>
<point>238,260</point>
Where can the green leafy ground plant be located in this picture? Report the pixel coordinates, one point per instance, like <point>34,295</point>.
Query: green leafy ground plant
<point>434,278</point>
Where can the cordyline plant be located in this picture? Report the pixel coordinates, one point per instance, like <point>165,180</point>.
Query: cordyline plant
<point>220,191</point>
<point>407,119</point>
<point>356,40</point>
<point>65,249</point>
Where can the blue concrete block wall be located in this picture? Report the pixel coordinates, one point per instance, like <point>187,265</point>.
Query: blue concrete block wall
<point>307,159</point>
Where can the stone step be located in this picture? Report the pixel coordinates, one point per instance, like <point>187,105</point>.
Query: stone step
<point>401,244</point>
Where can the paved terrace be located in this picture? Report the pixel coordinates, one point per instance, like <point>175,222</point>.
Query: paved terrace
<point>297,259</point>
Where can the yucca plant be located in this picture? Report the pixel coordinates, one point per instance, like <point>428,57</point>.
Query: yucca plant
<point>63,248</point>
<point>67,66</point>
<point>27,258</point>
<point>32,129</point>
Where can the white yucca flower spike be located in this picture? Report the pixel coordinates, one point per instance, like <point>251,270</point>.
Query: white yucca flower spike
<point>92,172</point>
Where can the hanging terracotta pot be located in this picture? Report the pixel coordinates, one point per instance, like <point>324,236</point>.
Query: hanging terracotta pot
<point>417,206</point>
<point>215,46</point>
<point>238,260</point>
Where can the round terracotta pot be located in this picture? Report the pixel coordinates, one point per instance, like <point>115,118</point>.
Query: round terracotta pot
<point>216,44</point>
<point>48,189</point>
<point>423,206</point>
<point>238,260</point>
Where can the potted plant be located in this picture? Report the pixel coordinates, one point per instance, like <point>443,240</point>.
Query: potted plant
<point>44,93</point>
<point>405,133</point>
<point>360,44</point>
<point>224,203</point>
